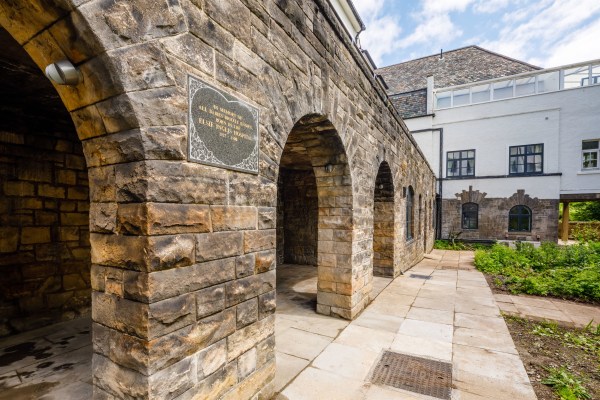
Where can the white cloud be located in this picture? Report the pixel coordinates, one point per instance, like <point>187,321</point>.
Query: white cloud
<point>438,28</point>
<point>382,35</point>
<point>534,33</point>
<point>444,6</point>
<point>368,9</point>
<point>581,45</point>
<point>490,6</point>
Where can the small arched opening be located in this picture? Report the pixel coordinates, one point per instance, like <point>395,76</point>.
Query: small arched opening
<point>383,222</point>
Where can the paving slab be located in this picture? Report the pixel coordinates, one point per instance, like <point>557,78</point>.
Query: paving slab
<point>545,308</point>
<point>442,309</point>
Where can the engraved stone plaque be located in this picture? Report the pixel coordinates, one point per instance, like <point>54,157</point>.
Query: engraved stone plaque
<point>223,130</point>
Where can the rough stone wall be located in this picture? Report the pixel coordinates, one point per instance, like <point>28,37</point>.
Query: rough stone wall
<point>383,223</point>
<point>183,254</point>
<point>45,251</point>
<point>411,104</point>
<point>383,238</point>
<point>300,208</point>
<point>493,217</point>
<point>44,202</point>
<point>279,225</point>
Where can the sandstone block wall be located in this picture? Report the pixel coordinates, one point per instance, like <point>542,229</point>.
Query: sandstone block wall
<point>300,216</point>
<point>183,254</point>
<point>45,251</point>
<point>493,217</point>
<point>44,201</point>
<point>383,223</point>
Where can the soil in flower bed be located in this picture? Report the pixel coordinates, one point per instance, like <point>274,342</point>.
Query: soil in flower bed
<point>547,345</point>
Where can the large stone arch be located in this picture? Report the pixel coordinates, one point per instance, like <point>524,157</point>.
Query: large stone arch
<point>105,108</point>
<point>314,151</point>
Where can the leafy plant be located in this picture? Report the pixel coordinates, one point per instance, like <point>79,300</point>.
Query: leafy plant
<point>586,211</point>
<point>567,272</point>
<point>546,328</point>
<point>584,232</point>
<point>566,384</point>
<point>448,245</point>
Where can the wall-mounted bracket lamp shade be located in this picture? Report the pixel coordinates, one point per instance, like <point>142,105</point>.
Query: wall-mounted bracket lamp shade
<point>63,72</point>
<point>328,168</point>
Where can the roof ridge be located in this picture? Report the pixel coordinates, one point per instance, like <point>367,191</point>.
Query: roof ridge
<point>507,57</point>
<point>463,48</point>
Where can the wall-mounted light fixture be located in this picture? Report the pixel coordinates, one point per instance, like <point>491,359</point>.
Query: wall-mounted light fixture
<point>63,72</point>
<point>328,168</point>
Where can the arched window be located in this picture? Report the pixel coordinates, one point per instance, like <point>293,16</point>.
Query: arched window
<point>470,216</point>
<point>519,219</point>
<point>410,199</point>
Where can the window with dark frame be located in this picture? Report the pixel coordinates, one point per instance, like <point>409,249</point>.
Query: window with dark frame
<point>590,153</point>
<point>526,159</point>
<point>470,216</point>
<point>410,194</point>
<point>460,163</point>
<point>519,219</point>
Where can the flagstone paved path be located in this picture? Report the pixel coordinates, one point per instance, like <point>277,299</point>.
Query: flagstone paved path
<point>441,309</point>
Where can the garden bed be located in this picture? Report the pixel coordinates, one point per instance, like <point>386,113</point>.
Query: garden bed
<point>562,363</point>
<point>570,272</point>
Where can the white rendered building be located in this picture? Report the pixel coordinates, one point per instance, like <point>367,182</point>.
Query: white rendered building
<point>508,149</point>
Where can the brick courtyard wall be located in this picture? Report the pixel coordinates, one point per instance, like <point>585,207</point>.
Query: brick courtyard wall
<point>183,254</point>
<point>493,217</point>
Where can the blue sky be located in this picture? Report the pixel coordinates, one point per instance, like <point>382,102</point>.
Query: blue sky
<point>547,33</point>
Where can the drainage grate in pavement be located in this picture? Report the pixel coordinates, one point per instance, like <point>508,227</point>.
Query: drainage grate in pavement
<point>415,374</point>
<point>419,276</point>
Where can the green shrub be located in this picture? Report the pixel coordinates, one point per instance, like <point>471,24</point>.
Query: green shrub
<point>458,245</point>
<point>568,272</point>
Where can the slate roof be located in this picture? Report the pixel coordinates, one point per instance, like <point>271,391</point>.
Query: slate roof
<point>457,67</point>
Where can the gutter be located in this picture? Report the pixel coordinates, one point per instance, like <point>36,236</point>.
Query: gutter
<point>438,209</point>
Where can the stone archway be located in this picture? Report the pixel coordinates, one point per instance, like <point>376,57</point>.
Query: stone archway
<point>102,139</point>
<point>45,252</point>
<point>383,222</point>
<point>315,211</point>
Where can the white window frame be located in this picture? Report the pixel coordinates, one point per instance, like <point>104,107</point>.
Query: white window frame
<point>597,151</point>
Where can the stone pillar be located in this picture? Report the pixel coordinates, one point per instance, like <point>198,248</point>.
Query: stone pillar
<point>565,222</point>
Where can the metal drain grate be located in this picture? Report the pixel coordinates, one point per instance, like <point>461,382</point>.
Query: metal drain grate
<point>415,374</point>
<point>419,276</point>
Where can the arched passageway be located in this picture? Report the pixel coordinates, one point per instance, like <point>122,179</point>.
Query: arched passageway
<point>45,252</point>
<point>44,230</point>
<point>383,222</point>
<point>315,213</point>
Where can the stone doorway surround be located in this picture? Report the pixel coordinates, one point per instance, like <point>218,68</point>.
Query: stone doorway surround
<point>183,254</point>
